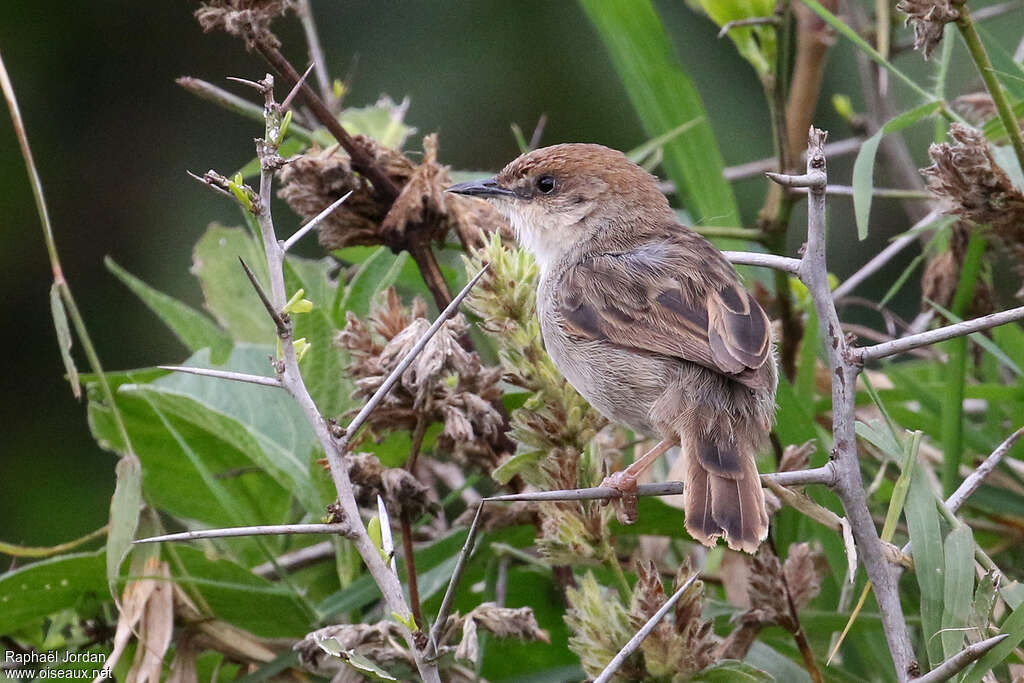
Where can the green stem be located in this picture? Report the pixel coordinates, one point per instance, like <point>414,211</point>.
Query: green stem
<point>956,368</point>
<point>51,249</point>
<point>612,560</point>
<point>751,234</point>
<point>995,89</point>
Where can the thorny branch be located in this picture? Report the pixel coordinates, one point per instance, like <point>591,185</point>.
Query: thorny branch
<point>291,379</point>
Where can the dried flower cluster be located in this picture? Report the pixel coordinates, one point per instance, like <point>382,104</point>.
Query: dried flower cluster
<point>247,19</point>
<point>929,19</point>
<point>966,175</point>
<point>764,587</point>
<point>503,622</point>
<point>403,494</point>
<point>446,383</point>
<point>423,211</point>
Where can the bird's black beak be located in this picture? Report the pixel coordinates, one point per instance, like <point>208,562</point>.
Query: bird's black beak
<point>481,188</point>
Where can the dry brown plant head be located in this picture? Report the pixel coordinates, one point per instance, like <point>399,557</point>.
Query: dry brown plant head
<point>965,175</point>
<point>422,212</point>
<point>446,383</point>
<point>929,19</point>
<point>247,19</point>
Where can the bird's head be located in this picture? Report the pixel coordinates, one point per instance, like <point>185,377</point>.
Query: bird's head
<point>562,196</point>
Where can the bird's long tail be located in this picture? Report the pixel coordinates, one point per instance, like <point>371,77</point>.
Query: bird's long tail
<point>723,496</point>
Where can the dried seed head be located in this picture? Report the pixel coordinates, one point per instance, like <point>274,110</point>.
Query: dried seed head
<point>248,19</point>
<point>796,457</point>
<point>804,566</point>
<point>967,177</point>
<point>377,642</point>
<point>445,383</point>
<point>423,211</point>
<point>503,622</point>
<point>929,19</point>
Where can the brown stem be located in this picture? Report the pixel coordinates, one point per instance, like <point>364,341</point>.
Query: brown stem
<point>410,569</point>
<point>797,629</point>
<point>425,260</point>
<point>361,160</point>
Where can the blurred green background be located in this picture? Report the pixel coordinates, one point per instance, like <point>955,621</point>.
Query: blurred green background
<point>113,136</point>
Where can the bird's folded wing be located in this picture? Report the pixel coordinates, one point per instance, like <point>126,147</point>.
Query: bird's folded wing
<point>644,300</point>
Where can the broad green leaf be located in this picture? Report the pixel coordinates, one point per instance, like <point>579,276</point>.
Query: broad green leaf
<point>864,166</point>
<point>374,274</point>
<point>125,505</point>
<point>769,660</point>
<point>959,587</point>
<point>516,464</point>
<point>239,597</point>
<point>383,121</point>
<point>929,563</point>
<point>34,591</point>
<point>732,671</point>
<point>197,463</point>
<point>229,294</point>
<point>60,324</point>
<point>1007,160</point>
<point>194,329</point>
<point>664,97</point>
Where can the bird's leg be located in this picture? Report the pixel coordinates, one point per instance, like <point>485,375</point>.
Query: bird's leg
<point>625,481</point>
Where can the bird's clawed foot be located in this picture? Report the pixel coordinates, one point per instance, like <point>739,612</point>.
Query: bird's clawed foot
<point>625,483</point>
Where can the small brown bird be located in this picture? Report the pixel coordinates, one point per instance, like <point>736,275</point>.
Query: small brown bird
<point>650,323</point>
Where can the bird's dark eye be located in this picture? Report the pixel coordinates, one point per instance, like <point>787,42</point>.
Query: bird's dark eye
<point>545,184</point>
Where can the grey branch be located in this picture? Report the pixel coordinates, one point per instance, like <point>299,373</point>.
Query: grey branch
<point>848,485</point>
<point>975,479</point>
<point>449,594</point>
<point>883,257</point>
<point>959,661</point>
<point>755,168</point>
<point>813,179</point>
<point>645,630</point>
<point>751,258</point>
<point>315,221</point>
<point>291,379</point>
<point>295,560</point>
<point>235,532</point>
<point>914,341</point>
<point>225,374</point>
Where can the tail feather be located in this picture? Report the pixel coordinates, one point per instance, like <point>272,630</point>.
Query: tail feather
<point>721,501</point>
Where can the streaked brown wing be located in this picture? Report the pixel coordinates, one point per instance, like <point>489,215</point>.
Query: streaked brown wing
<point>644,300</point>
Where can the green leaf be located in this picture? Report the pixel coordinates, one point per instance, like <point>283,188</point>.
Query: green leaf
<point>864,166</point>
<point>1012,625</point>
<point>228,292</point>
<point>775,664</point>
<point>959,587</point>
<point>125,506</point>
<point>375,274</point>
<point>929,563</point>
<point>664,97</point>
<point>981,608</point>
<point>756,44</point>
<point>194,329</point>
<point>383,121</point>
<point>239,597</point>
<point>60,324</point>
<point>732,671</point>
<point>32,592</point>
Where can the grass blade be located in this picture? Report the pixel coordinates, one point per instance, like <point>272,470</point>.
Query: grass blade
<point>664,97</point>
